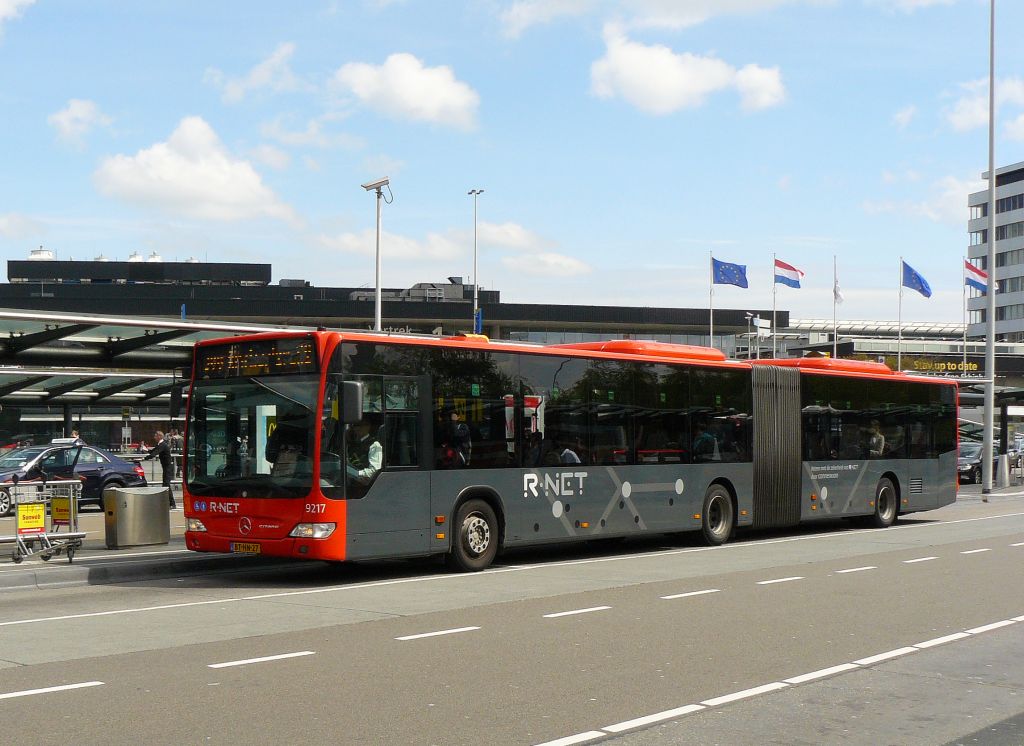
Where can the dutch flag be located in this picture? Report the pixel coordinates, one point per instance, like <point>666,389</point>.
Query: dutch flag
<point>787,274</point>
<point>975,278</point>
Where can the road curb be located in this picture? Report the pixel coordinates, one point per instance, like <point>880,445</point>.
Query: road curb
<point>106,568</point>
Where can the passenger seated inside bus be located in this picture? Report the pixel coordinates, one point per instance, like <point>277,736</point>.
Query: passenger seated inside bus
<point>705,445</point>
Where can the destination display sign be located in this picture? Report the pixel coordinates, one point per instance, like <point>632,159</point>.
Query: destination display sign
<point>264,357</point>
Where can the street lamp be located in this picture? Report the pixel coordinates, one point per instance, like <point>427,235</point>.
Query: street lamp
<point>371,187</point>
<point>477,325</point>
<point>750,317</point>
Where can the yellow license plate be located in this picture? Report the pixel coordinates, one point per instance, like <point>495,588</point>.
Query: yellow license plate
<point>245,548</point>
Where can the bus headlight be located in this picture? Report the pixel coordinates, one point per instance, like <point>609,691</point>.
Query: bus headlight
<point>194,524</point>
<point>313,530</point>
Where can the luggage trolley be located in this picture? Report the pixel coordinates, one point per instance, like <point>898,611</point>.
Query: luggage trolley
<point>38,503</point>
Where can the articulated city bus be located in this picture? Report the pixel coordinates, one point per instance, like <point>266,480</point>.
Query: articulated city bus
<point>351,446</point>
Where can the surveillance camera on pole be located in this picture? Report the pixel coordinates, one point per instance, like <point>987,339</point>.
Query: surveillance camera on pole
<point>376,186</point>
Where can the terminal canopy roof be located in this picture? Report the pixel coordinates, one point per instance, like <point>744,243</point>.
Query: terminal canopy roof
<point>99,360</point>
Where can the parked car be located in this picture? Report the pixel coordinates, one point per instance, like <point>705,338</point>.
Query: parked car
<point>969,462</point>
<point>97,468</point>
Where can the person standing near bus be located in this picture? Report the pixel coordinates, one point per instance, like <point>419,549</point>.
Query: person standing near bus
<point>162,452</point>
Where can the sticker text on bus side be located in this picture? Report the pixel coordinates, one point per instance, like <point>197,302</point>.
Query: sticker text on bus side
<point>560,484</point>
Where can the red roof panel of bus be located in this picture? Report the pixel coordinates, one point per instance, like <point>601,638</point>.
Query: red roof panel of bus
<point>836,365</point>
<point>647,348</point>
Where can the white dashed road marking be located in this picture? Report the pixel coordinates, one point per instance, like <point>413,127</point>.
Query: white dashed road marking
<point>49,689</point>
<point>691,593</point>
<point>856,569</point>
<point>919,559</point>
<point>438,633</point>
<point>778,580</point>
<point>576,611</point>
<point>976,551</point>
<point>247,661</point>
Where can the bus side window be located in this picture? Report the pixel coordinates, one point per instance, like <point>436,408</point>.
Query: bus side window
<point>400,436</point>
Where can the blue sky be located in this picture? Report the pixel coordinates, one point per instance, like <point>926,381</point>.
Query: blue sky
<point>618,141</point>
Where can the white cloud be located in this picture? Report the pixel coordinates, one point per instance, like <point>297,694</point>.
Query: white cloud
<point>546,264</point>
<point>11,9</point>
<point>659,81</point>
<point>908,6</point>
<point>191,174</point>
<point>274,73</point>
<point>270,156</point>
<point>521,15</point>
<point>970,111</point>
<point>403,88</point>
<point>77,119</point>
<point>947,204</point>
<point>13,225</point>
<point>1015,128</point>
<point>904,116</point>
<point>673,14</point>
<point>315,135</point>
<point>509,236</point>
<point>393,246</point>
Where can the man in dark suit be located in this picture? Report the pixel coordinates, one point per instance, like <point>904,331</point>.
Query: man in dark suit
<point>162,451</point>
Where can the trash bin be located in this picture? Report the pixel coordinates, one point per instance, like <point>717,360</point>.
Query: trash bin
<point>135,516</point>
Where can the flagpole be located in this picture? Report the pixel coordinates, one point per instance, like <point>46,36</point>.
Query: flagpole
<point>711,299</point>
<point>775,291</point>
<point>963,370</point>
<point>835,301</point>
<point>899,324</point>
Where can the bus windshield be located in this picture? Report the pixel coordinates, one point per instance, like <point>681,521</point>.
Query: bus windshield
<point>252,437</point>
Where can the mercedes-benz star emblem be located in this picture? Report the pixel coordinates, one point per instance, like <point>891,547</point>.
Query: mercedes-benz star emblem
<point>244,525</point>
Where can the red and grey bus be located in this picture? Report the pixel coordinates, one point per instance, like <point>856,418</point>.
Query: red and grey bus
<point>352,446</point>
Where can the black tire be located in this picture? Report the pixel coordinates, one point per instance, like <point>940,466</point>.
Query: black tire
<point>112,483</point>
<point>717,517</point>
<point>976,475</point>
<point>887,504</point>
<point>5,503</point>
<point>474,537</point>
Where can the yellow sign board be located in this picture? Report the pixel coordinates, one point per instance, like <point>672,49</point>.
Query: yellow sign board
<point>60,511</point>
<point>32,518</point>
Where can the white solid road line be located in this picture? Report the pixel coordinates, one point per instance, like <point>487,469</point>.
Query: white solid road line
<point>774,686</point>
<point>919,559</point>
<point>691,593</point>
<point>576,611</point>
<point>779,580</point>
<point>247,661</point>
<point>976,551</point>
<point>651,719</point>
<point>822,673</point>
<point>872,659</point>
<point>49,689</point>
<point>856,569</point>
<point>438,633</point>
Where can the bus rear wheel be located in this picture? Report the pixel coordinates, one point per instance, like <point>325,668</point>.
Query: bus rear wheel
<point>475,543</point>
<point>886,504</point>
<point>717,516</point>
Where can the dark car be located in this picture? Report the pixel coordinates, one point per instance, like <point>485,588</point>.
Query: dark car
<point>97,468</point>
<point>968,462</point>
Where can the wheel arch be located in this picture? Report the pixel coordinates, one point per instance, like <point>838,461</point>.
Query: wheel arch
<point>488,495</point>
<point>895,482</point>
<point>727,484</point>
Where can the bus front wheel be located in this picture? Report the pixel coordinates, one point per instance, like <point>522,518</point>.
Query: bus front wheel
<point>475,543</point>
<point>717,516</point>
<point>886,504</point>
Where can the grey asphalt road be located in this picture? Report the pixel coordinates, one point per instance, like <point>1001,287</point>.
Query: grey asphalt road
<point>907,635</point>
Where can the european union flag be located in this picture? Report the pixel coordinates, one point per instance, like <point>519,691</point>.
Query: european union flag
<point>726,273</point>
<point>913,280</point>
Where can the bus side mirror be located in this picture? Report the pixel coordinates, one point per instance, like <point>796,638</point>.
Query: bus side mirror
<point>351,402</point>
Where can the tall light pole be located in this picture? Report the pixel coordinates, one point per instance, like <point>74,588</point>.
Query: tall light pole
<point>377,186</point>
<point>987,481</point>
<point>477,325</point>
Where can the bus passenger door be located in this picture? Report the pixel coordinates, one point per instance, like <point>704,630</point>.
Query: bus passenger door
<point>388,510</point>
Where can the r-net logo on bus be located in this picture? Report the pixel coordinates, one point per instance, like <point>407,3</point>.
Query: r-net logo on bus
<point>560,484</point>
